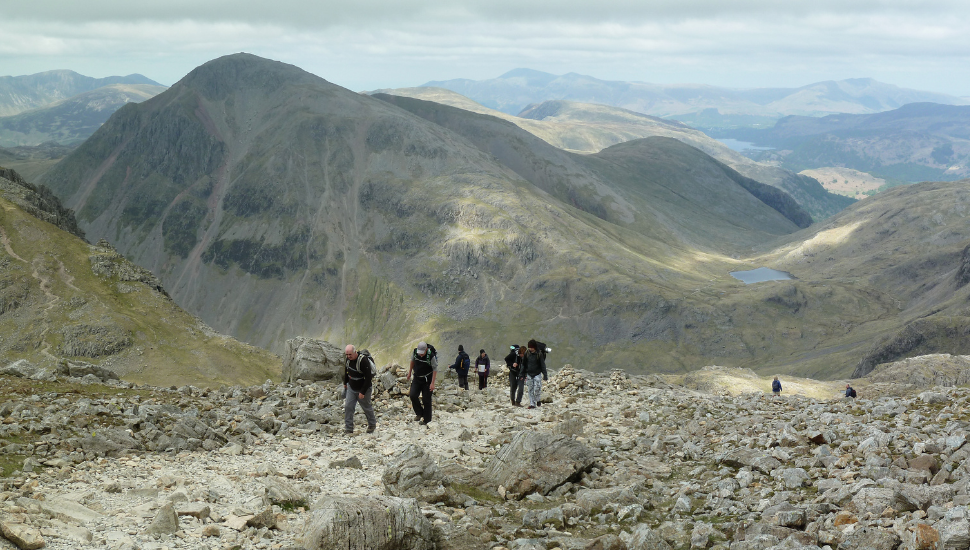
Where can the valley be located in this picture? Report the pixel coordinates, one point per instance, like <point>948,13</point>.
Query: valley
<point>274,204</point>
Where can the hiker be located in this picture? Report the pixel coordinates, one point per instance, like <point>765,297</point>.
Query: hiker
<point>849,391</point>
<point>461,366</point>
<point>533,365</point>
<point>424,365</point>
<point>776,386</point>
<point>482,367</point>
<point>359,376</point>
<point>512,361</point>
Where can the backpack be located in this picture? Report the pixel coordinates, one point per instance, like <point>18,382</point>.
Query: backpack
<point>542,350</point>
<point>432,359</point>
<point>372,365</point>
<point>852,392</point>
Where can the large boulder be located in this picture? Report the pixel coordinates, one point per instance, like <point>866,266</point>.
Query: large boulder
<point>312,360</point>
<point>415,474</point>
<point>367,523</point>
<point>538,462</point>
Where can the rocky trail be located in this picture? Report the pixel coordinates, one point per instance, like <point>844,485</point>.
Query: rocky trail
<point>608,462</point>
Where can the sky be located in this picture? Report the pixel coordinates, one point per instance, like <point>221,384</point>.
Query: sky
<point>370,44</point>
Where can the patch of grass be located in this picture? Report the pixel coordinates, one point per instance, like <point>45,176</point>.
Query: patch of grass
<point>11,463</point>
<point>475,492</point>
<point>293,505</point>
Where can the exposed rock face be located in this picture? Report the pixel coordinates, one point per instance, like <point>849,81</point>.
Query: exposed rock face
<point>37,200</point>
<point>312,360</point>
<point>367,523</point>
<point>415,474</point>
<point>925,371</point>
<point>537,462</point>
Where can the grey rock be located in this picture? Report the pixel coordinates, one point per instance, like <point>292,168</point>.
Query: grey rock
<point>785,515</point>
<point>312,360</point>
<point>415,474</point>
<point>21,369</point>
<point>871,538</point>
<point>596,500</point>
<point>954,534</point>
<point>352,462</point>
<point>645,538</point>
<point>165,522</point>
<point>538,462</point>
<point>874,500</point>
<point>756,460</point>
<point>281,492</point>
<point>367,523</point>
<point>24,536</point>
<point>793,478</point>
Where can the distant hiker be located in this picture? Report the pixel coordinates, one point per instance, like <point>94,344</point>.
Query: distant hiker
<point>424,365</point>
<point>512,361</point>
<point>482,367</point>
<point>461,366</point>
<point>776,386</point>
<point>533,366</point>
<point>359,375</point>
<point>850,391</point>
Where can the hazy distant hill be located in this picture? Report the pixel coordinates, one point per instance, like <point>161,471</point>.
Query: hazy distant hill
<point>917,142</point>
<point>32,162</point>
<point>70,121</point>
<point>62,299</point>
<point>590,128</point>
<point>23,93</point>
<point>274,204</point>
<point>699,105</point>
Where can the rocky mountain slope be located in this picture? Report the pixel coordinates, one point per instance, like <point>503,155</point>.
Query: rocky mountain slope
<point>23,93</point>
<point>65,304</point>
<point>697,104</point>
<point>275,204</point>
<point>627,463</point>
<point>917,142</point>
<point>590,128</point>
<point>72,120</point>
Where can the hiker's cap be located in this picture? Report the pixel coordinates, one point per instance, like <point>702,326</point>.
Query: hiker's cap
<point>422,347</point>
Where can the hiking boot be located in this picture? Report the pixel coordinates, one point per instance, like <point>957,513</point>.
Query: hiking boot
<point>370,429</point>
<point>424,422</point>
<point>531,407</point>
<point>349,432</point>
<point>418,419</point>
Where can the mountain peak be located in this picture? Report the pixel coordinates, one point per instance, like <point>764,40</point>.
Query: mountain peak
<point>224,75</point>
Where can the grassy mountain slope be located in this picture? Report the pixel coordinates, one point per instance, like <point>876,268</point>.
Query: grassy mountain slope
<point>62,299</point>
<point>589,128</point>
<point>70,121</point>
<point>517,89</point>
<point>273,204</point>
<point>23,93</point>
<point>918,142</point>
<point>672,181</point>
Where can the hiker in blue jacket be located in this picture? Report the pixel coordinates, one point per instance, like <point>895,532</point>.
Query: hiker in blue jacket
<point>776,386</point>
<point>461,366</point>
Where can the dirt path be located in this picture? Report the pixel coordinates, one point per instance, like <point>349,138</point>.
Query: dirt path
<point>6,245</point>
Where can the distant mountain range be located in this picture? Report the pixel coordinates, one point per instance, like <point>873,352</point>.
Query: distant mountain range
<point>274,204</point>
<point>590,128</point>
<point>23,93</point>
<point>72,120</point>
<point>701,106</point>
<point>917,142</point>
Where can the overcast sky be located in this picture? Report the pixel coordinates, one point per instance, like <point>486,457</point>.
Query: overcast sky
<point>368,44</point>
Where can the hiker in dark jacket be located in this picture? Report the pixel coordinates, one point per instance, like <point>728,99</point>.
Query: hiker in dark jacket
<point>482,368</point>
<point>512,361</point>
<point>849,391</point>
<point>358,385</point>
<point>461,366</point>
<point>532,371</point>
<point>424,366</point>
<point>776,386</point>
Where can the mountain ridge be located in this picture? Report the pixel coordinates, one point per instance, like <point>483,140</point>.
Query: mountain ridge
<point>23,93</point>
<point>513,91</point>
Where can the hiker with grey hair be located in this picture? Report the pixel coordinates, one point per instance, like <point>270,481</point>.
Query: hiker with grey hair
<point>358,386</point>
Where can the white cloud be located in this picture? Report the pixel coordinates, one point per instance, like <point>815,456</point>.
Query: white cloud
<point>366,44</point>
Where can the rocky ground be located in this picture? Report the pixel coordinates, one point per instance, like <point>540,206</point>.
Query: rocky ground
<point>608,462</point>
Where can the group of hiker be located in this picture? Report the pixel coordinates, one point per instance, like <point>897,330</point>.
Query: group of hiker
<point>526,366</point>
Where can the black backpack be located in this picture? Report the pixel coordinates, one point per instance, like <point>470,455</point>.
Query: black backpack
<point>542,350</point>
